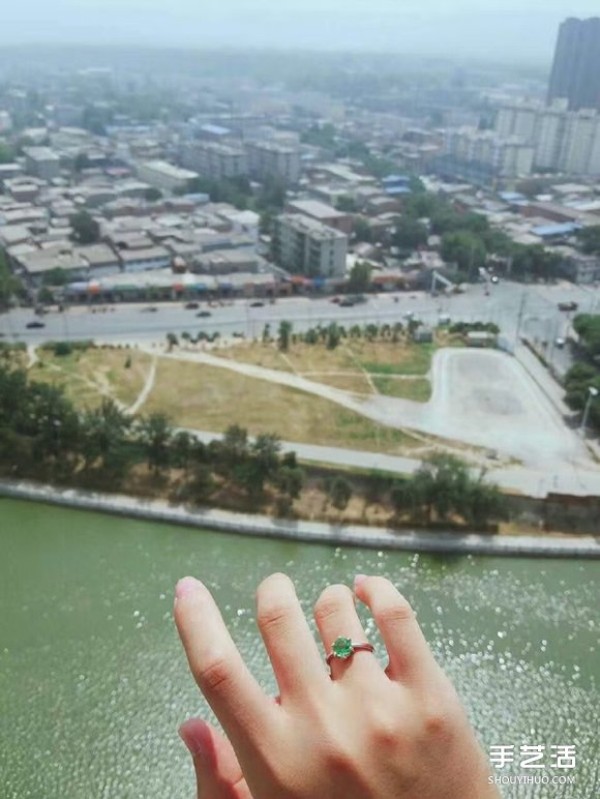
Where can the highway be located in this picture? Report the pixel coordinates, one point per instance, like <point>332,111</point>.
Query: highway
<point>532,310</point>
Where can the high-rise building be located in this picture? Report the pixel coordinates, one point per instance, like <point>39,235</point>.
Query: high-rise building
<point>304,246</point>
<point>576,69</point>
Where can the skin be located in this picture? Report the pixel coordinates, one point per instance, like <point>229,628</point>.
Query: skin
<point>359,733</point>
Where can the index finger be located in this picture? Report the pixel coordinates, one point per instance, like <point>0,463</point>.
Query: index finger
<point>239,703</point>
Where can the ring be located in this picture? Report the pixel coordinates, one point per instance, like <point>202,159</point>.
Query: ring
<point>343,648</point>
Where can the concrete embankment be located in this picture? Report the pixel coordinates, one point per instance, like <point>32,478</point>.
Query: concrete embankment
<point>299,530</point>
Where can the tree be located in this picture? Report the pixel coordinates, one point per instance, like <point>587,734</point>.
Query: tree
<point>153,194</point>
<point>105,438</point>
<point>182,450</point>
<point>56,277</point>
<point>86,229</point>
<point>283,338</point>
<point>155,434</point>
<point>464,249</point>
<point>346,203</point>
<point>333,336</point>
<point>362,230</point>
<point>360,277</point>
<point>587,327</point>
<point>7,153</point>
<point>589,239</point>
<point>409,234</point>
<point>81,162</point>
<point>9,284</point>
<point>340,493</point>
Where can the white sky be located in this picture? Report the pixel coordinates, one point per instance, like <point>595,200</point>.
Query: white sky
<point>501,30</point>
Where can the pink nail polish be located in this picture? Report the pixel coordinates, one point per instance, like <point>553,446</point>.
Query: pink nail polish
<point>186,587</point>
<point>358,580</point>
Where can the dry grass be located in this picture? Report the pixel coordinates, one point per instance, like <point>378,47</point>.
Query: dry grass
<point>89,376</point>
<point>210,398</point>
<point>418,390</point>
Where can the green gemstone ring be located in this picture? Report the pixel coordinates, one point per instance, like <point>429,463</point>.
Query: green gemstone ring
<point>343,648</point>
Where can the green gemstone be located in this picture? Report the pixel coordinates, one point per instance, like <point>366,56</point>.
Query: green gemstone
<point>342,648</point>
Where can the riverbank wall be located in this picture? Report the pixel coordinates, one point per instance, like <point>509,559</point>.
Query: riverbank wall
<point>306,531</point>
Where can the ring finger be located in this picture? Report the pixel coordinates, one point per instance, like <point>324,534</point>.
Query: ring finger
<point>336,617</point>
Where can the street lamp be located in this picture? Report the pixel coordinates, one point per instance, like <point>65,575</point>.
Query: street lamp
<point>593,393</point>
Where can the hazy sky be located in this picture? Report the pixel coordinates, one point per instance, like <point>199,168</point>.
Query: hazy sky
<point>523,30</point>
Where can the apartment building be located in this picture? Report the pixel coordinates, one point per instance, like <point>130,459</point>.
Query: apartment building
<point>273,160</point>
<point>42,162</point>
<point>305,246</point>
<point>322,212</point>
<point>164,176</point>
<point>484,155</point>
<point>214,160</point>
<point>564,141</point>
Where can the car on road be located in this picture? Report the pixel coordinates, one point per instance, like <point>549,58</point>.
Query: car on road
<point>409,315</point>
<point>150,309</point>
<point>335,299</point>
<point>192,306</point>
<point>204,314</point>
<point>346,303</point>
<point>560,343</point>
<point>568,306</point>
<point>257,304</point>
<point>34,325</point>
<point>495,279</point>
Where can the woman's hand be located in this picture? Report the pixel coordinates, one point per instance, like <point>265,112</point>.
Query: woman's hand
<point>361,733</point>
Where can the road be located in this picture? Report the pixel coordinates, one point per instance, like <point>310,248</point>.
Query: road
<point>530,309</point>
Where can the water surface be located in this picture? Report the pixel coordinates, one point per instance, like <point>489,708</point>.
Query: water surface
<point>93,683</point>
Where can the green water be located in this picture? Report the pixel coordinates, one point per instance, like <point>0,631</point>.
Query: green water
<point>93,683</point>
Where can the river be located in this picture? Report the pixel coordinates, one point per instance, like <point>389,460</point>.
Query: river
<point>93,683</point>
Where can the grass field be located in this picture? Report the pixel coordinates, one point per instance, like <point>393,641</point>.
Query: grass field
<point>89,376</point>
<point>417,389</point>
<point>356,365</point>
<point>210,398</point>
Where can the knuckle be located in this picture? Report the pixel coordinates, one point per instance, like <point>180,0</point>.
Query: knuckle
<point>328,604</point>
<point>215,676</point>
<point>273,616</point>
<point>398,612</point>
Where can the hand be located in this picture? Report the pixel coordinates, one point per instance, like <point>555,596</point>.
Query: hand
<point>361,733</point>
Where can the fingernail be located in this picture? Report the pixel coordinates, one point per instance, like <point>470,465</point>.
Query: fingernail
<point>193,736</point>
<point>186,587</point>
<point>359,580</point>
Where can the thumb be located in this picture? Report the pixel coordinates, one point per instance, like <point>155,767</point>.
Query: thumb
<point>218,773</point>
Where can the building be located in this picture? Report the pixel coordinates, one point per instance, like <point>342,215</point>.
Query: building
<point>142,260</point>
<point>273,160</point>
<point>576,70</point>
<point>326,214</point>
<point>42,162</point>
<point>563,140</point>
<point>305,246</point>
<point>484,156</point>
<point>164,176</point>
<point>215,161</point>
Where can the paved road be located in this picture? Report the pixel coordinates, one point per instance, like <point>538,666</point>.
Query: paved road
<point>529,482</point>
<point>510,305</point>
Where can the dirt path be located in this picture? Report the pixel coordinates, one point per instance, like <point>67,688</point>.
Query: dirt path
<point>32,356</point>
<point>145,392</point>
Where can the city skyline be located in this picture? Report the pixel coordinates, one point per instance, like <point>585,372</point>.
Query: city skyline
<point>428,28</point>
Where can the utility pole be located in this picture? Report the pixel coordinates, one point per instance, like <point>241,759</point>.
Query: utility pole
<point>520,316</point>
<point>592,394</point>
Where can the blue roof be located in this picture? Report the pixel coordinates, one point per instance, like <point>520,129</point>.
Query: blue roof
<point>511,196</point>
<point>218,130</point>
<point>396,179</point>
<point>547,231</point>
<point>397,190</point>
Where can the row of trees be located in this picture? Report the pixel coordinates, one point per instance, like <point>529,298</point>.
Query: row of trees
<point>443,490</point>
<point>585,373</point>
<point>332,334</point>
<point>43,435</point>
